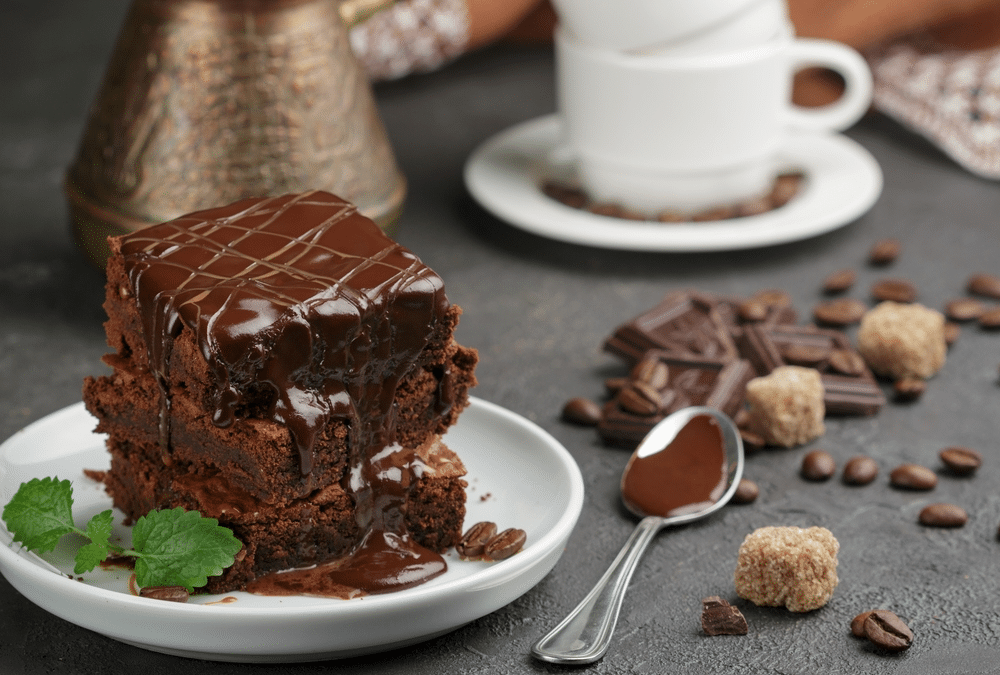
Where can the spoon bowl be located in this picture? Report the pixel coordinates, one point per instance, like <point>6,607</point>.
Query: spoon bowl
<point>687,467</point>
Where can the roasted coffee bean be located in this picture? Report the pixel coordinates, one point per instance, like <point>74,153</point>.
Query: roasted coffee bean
<point>886,630</point>
<point>964,309</point>
<point>747,491</point>
<point>652,371</point>
<point>913,477</point>
<point>640,399</point>
<point>839,281</point>
<point>884,252</point>
<point>943,515</point>
<point>752,310</point>
<point>960,460</point>
<point>952,331</point>
<point>615,384</point>
<point>718,617</point>
<point>582,411</point>
<point>818,465</point>
<point>984,284</point>
<point>990,319</point>
<point>473,542</point>
<point>810,356</point>
<point>569,195</point>
<point>858,624</point>
<point>505,544</point>
<point>846,362</point>
<point>775,297</point>
<point>908,389</point>
<point>786,186</point>
<point>895,290</point>
<point>168,593</point>
<point>840,312</point>
<point>752,441</point>
<point>860,470</point>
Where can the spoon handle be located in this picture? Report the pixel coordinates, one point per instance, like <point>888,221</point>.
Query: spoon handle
<point>585,634</point>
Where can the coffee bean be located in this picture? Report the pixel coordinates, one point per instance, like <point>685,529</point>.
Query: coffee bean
<point>908,389</point>
<point>895,290</point>
<point>652,371</point>
<point>884,251</point>
<point>474,541</point>
<point>747,491</point>
<point>640,399</point>
<point>858,624</point>
<point>168,593</point>
<point>841,312</point>
<point>846,362</point>
<point>752,441</point>
<point>818,465</point>
<point>839,281</point>
<point>984,284</point>
<point>752,310</point>
<point>990,319</point>
<point>810,356</point>
<point>964,309</point>
<point>961,461</point>
<point>774,297</point>
<point>943,515</point>
<point>505,544</point>
<point>613,385</point>
<point>786,186</point>
<point>913,477</point>
<point>887,631</point>
<point>952,331</point>
<point>581,411</point>
<point>860,470</point>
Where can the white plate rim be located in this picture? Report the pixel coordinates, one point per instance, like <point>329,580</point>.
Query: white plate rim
<point>503,174</point>
<point>490,588</point>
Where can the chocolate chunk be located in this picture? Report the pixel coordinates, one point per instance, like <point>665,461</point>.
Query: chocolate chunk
<point>692,381</point>
<point>689,324</point>
<point>718,617</point>
<point>844,394</point>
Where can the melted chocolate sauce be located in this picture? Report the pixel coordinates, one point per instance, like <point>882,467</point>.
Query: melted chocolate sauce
<point>686,475</point>
<point>306,300</point>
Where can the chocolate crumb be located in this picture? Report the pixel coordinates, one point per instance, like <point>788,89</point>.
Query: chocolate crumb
<point>718,617</point>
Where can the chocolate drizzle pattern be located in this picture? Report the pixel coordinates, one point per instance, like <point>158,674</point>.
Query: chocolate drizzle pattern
<point>301,302</point>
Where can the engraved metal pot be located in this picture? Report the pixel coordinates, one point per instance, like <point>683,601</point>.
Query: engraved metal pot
<point>206,102</point>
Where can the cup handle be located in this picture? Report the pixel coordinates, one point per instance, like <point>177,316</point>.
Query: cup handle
<point>857,96</point>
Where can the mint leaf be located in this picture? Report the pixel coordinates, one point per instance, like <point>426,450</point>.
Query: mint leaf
<point>90,555</point>
<point>40,512</point>
<point>180,548</point>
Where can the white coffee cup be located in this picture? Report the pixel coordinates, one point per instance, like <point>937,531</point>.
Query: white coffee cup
<point>627,25</point>
<point>658,132</point>
<point>754,24</point>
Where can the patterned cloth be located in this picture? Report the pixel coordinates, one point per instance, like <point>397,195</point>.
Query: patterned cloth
<point>411,36</point>
<point>950,96</point>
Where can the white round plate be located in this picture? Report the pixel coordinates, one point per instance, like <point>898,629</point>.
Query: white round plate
<point>842,181</point>
<point>519,476</point>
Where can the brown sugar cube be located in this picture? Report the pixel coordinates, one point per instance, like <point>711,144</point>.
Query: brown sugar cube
<point>786,407</point>
<point>788,566</point>
<point>903,340</point>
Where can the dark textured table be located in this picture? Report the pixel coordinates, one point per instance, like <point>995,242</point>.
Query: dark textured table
<point>538,310</point>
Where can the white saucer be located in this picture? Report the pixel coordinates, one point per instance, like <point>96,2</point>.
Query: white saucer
<point>519,476</point>
<point>842,181</point>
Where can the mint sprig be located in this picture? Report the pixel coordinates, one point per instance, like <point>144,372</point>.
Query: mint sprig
<point>172,547</point>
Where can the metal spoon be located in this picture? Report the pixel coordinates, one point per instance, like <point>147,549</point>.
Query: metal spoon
<point>585,634</point>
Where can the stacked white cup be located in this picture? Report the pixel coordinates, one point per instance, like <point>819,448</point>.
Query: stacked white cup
<point>685,105</point>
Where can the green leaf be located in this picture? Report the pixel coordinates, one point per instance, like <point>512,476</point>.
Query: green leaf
<point>180,548</point>
<point>40,512</point>
<point>99,531</point>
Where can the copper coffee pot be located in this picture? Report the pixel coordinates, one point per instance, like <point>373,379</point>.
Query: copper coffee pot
<point>206,102</point>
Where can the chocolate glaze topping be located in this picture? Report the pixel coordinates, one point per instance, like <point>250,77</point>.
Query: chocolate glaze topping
<point>302,301</point>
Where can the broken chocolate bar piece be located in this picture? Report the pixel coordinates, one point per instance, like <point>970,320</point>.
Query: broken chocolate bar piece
<point>685,323</point>
<point>719,383</point>
<point>769,347</point>
<point>718,617</point>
